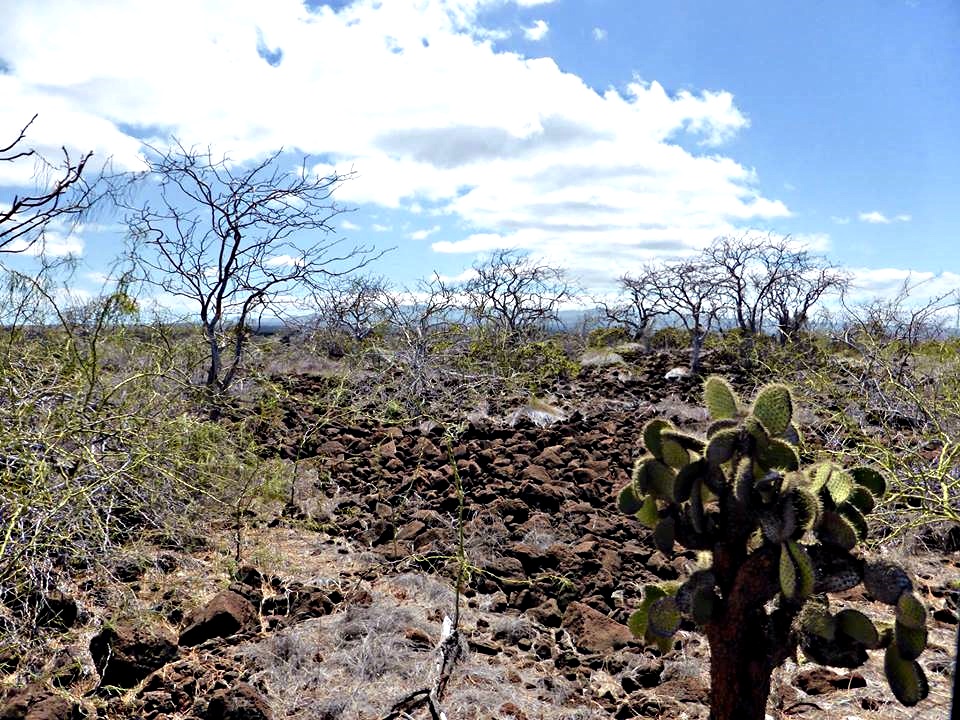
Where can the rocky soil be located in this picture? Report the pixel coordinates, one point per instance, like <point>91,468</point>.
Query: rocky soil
<point>337,606</point>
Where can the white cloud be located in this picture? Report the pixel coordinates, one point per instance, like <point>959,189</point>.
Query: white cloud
<point>870,283</point>
<point>599,34</point>
<point>513,149</point>
<point>377,227</point>
<point>840,220</point>
<point>536,32</point>
<point>467,274</point>
<point>283,261</point>
<point>347,225</point>
<point>423,234</point>
<point>51,244</point>
<point>533,3</point>
<point>876,217</point>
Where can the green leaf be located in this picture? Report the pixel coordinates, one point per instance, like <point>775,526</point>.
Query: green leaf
<point>855,518</point>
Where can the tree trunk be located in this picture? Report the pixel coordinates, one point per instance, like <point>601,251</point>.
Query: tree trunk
<point>213,372</point>
<point>696,347</point>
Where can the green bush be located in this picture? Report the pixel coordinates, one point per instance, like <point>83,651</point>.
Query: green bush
<point>605,337</point>
<point>670,338</point>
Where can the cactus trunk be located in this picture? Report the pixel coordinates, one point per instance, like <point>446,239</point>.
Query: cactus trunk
<point>739,669</point>
<point>746,643</point>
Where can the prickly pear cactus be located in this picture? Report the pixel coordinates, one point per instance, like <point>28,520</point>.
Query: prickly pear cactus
<point>778,538</point>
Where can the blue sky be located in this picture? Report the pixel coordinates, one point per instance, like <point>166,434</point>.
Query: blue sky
<point>597,134</point>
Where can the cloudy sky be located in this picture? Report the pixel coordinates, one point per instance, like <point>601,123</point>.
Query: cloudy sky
<point>598,134</point>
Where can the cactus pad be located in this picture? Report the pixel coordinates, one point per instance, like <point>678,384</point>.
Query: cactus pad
<point>722,446</point>
<point>862,499</point>
<point>780,454</point>
<point>773,407</point>
<point>663,617</point>
<point>627,500</point>
<point>871,479</point>
<point>835,529</point>
<point>885,581</point>
<point>906,677</point>
<point>720,399</point>
<point>910,641</point>
<point>648,514</point>
<point>651,436</point>
<point>673,453</point>
<point>854,624</point>
<point>910,611</point>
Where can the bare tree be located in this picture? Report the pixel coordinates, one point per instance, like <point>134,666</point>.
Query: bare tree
<point>515,294</point>
<point>746,268</point>
<point>638,306</point>
<point>423,336</point>
<point>799,289</point>
<point>67,196</point>
<point>688,291</point>
<point>236,242</point>
<point>351,306</point>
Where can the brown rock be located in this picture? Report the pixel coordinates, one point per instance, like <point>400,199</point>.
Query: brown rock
<point>509,710</point>
<point>411,530</point>
<point>547,614</point>
<point>125,655</point>
<point>593,631</point>
<point>537,474</point>
<point>241,702</point>
<point>223,616</point>
<point>35,702</point>
<point>821,681</point>
<point>551,457</point>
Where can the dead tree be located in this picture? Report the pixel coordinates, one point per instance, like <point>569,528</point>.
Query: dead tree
<point>66,197</point>
<point>688,292</point>
<point>236,242</point>
<point>638,305</point>
<point>515,295</point>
